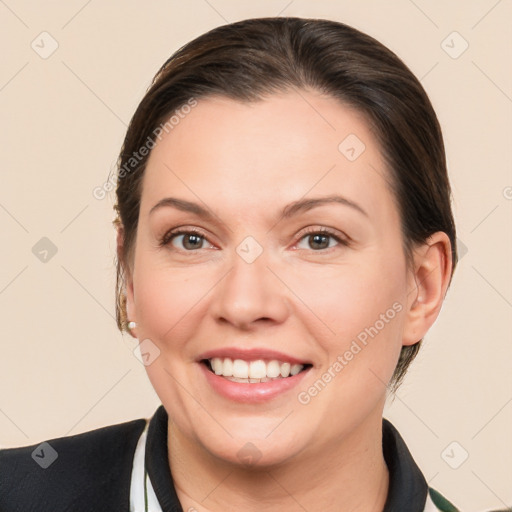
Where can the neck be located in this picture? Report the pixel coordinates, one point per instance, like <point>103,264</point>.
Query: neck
<point>348,475</point>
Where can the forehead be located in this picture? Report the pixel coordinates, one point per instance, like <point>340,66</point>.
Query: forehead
<point>242,157</point>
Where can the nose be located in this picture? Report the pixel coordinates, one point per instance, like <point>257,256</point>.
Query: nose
<point>250,294</point>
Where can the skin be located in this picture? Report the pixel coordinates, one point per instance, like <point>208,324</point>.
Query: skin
<point>245,163</point>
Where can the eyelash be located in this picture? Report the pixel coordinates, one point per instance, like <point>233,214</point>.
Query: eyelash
<point>170,235</point>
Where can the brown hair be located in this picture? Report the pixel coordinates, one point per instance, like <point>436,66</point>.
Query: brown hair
<point>253,58</point>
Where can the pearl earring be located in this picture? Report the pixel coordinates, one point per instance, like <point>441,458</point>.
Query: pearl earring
<point>131,325</point>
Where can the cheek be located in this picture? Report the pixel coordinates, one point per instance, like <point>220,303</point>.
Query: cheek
<point>167,299</point>
<point>361,308</point>
<point>346,300</point>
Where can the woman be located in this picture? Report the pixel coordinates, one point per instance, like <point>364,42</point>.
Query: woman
<point>285,241</point>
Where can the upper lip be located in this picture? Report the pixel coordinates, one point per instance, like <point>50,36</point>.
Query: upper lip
<point>251,354</point>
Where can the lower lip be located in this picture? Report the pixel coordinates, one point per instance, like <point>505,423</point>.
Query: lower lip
<point>251,393</point>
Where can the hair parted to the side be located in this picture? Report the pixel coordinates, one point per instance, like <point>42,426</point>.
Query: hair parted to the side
<point>254,58</point>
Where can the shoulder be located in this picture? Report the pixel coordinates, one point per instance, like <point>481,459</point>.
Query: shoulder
<point>88,471</point>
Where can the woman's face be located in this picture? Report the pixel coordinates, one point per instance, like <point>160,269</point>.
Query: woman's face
<point>257,288</point>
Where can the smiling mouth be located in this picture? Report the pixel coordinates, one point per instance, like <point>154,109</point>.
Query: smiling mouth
<point>253,372</point>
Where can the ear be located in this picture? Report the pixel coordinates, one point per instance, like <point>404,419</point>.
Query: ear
<point>128,281</point>
<point>427,286</point>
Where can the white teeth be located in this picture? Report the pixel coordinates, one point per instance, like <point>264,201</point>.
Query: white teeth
<point>273,369</point>
<point>254,371</point>
<point>217,365</point>
<point>257,369</point>
<point>240,369</point>
<point>296,368</point>
<point>228,368</point>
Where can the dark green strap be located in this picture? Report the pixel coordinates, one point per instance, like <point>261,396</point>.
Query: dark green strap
<point>441,502</point>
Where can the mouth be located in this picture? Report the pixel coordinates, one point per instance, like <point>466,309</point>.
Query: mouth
<point>254,371</point>
<point>252,375</point>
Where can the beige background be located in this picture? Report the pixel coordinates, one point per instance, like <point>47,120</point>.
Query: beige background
<point>65,368</point>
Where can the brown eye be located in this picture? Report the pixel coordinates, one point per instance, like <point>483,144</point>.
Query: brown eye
<point>184,240</point>
<point>320,240</point>
<point>191,241</point>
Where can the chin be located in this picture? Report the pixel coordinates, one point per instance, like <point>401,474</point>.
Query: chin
<point>255,455</point>
<point>248,450</point>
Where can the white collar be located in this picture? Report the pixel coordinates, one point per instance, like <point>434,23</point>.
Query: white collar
<point>137,482</point>
<point>429,505</point>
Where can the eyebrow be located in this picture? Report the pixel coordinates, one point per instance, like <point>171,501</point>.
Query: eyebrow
<point>290,210</point>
